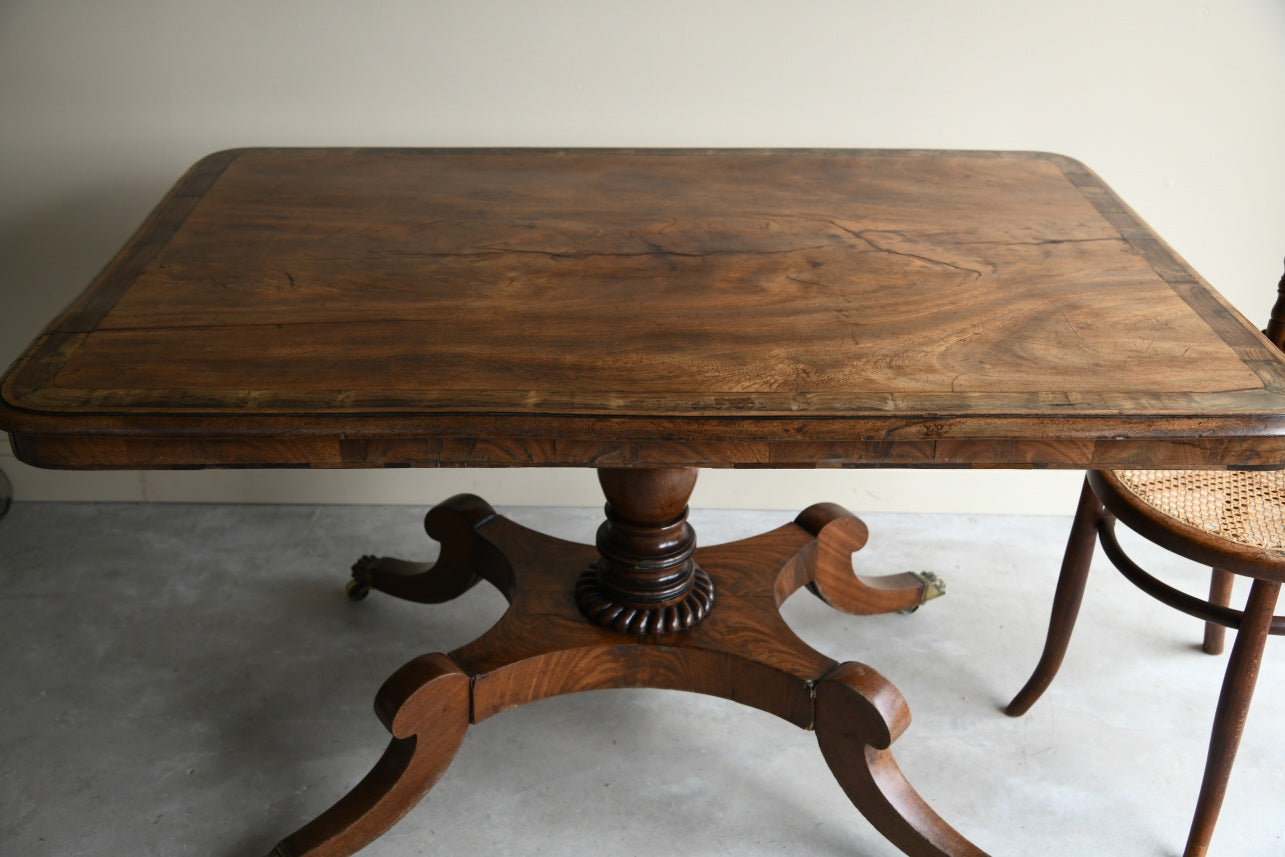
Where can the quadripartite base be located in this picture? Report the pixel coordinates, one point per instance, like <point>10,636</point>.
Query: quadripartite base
<point>543,646</point>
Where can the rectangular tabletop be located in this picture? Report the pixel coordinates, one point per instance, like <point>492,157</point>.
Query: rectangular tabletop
<point>377,307</point>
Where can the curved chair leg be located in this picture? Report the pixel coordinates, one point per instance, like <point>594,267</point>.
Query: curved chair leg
<point>1066,601</point>
<point>1220,582</point>
<point>425,704</point>
<point>1233,708</point>
<point>858,715</point>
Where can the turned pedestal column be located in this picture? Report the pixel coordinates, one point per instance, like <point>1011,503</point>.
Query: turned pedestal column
<point>645,580</point>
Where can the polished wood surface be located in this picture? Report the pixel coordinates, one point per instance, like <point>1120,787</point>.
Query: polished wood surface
<point>368,308</point>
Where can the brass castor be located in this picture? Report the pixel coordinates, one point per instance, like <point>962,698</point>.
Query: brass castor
<point>934,587</point>
<point>359,587</point>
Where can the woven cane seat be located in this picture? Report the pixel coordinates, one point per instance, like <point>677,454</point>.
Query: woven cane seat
<point>1243,507</point>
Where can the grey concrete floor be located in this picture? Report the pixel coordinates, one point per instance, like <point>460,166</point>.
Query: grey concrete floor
<point>189,679</point>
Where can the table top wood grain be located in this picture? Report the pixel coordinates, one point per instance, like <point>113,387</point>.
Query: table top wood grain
<point>616,308</point>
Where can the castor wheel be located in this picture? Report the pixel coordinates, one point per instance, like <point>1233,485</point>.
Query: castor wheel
<point>934,587</point>
<point>359,587</point>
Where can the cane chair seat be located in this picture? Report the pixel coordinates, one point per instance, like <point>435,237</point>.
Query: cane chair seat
<point>1232,520</point>
<point>1243,507</point>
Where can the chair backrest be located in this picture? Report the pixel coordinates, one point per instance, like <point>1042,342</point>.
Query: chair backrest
<point>1276,326</point>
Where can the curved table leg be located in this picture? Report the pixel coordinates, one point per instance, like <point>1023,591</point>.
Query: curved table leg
<point>453,523</point>
<point>425,704</point>
<point>839,535</point>
<point>543,646</point>
<point>858,715</point>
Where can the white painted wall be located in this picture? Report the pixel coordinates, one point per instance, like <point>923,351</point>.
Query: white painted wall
<point>1178,104</point>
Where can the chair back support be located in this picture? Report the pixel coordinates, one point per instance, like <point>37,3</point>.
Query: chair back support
<point>1276,326</point>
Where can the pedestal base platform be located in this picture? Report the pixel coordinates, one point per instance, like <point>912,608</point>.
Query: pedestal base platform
<point>544,646</point>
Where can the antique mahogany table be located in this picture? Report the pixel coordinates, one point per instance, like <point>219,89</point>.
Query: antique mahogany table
<point>645,313</point>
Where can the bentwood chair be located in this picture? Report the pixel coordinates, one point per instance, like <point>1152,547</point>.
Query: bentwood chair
<point>1233,521</point>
